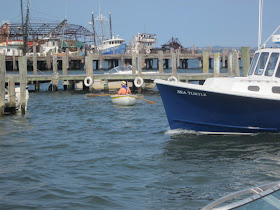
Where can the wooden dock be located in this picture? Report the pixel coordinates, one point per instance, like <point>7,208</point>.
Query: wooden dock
<point>77,61</point>
<point>69,80</point>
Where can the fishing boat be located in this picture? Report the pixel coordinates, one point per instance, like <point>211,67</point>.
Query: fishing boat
<point>235,105</point>
<point>123,100</point>
<point>261,197</point>
<point>112,46</point>
<point>107,43</point>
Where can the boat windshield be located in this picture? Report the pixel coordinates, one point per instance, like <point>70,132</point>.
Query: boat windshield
<point>271,64</point>
<point>253,64</point>
<point>261,63</point>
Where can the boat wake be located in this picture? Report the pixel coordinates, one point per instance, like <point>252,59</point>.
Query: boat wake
<point>176,132</point>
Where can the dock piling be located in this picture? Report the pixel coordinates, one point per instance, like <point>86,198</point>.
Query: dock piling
<point>205,62</point>
<point>229,64</point>
<point>23,82</point>
<point>140,64</point>
<point>48,60</point>
<point>12,93</point>
<point>245,60</point>
<point>217,64</point>
<point>173,63</point>
<point>34,59</point>
<point>54,82</point>
<point>2,83</point>
<point>235,63</point>
<point>160,61</point>
<point>14,61</point>
<point>133,62</point>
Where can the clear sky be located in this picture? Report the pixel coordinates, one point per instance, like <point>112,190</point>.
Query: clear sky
<point>228,23</point>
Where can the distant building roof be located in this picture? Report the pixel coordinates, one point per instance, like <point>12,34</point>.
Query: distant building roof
<point>37,31</point>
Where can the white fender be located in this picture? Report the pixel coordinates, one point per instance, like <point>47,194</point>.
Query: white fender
<point>138,82</point>
<point>148,51</point>
<point>88,81</point>
<point>172,79</point>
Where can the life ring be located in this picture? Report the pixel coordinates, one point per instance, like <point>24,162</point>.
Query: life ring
<point>138,82</point>
<point>88,81</point>
<point>148,51</point>
<point>172,79</point>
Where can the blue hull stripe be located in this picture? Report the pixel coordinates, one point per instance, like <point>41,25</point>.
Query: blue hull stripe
<point>223,126</point>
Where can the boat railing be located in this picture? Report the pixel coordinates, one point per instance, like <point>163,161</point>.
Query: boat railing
<point>252,194</point>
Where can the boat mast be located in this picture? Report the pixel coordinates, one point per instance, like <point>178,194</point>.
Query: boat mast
<point>25,27</point>
<point>260,23</point>
<point>93,28</point>
<point>110,25</point>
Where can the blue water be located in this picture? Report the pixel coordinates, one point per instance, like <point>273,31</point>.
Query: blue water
<point>74,152</point>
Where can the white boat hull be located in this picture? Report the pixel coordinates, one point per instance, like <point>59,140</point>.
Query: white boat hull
<point>124,100</point>
<point>17,99</point>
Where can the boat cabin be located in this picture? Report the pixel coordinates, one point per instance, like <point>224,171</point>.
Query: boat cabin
<point>265,63</point>
<point>115,41</point>
<point>263,78</point>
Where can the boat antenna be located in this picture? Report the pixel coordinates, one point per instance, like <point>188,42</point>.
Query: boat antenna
<point>110,19</point>
<point>21,13</point>
<point>260,23</point>
<point>25,29</point>
<point>93,28</point>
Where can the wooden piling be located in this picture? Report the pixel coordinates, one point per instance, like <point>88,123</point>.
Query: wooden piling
<point>133,62</point>
<point>48,60</point>
<point>90,68</point>
<point>229,62</point>
<point>106,86</point>
<point>160,61</point>
<point>90,65</point>
<point>140,64</point>
<point>122,58</point>
<point>14,61</point>
<point>2,83</point>
<point>173,64</point>
<point>235,63</point>
<point>245,60</point>
<point>217,64</point>
<point>224,59</point>
<point>41,50</point>
<point>54,82</point>
<point>177,58</point>
<point>12,93</point>
<point>64,65</point>
<point>205,62</point>
<point>64,71</point>
<point>23,82</point>
<point>67,57</point>
<point>100,60</point>
<point>34,59</point>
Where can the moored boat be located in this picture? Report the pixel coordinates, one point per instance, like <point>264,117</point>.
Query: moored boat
<point>112,46</point>
<point>235,105</point>
<point>124,100</point>
<point>8,108</point>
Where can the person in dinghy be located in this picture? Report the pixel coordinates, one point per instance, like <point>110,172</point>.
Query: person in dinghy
<point>124,90</point>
